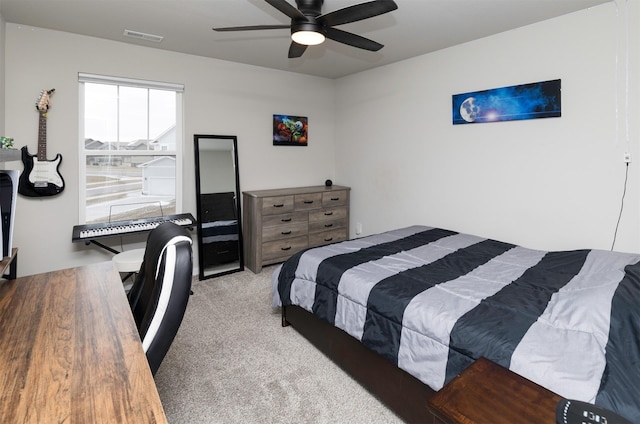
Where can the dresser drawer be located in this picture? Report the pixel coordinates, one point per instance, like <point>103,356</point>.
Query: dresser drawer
<point>284,231</point>
<point>308,201</point>
<point>277,204</point>
<point>334,198</point>
<point>327,224</point>
<point>284,219</point>
<point>328,214</point>
<point>326,237</point>
<point>278,249</point>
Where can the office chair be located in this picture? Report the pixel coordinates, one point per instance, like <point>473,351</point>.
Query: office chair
<point>159,295</point>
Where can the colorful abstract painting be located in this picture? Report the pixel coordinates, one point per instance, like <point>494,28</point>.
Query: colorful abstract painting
<point>517,102</point>
<point>290,130</point>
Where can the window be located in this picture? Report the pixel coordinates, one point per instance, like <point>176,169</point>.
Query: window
<point>130,148</point>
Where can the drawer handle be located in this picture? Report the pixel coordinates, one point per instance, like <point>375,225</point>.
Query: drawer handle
<point>285,248</point>
<point>328,213</point>
<point>308,202</point>
<point>279,205</point>
<point>335,198</point>
<point>328,239</point>
<point>285,220</point>
<point>284,233</point>
<point>328,225</point>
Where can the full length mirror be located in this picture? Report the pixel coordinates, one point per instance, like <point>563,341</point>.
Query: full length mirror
<point>218,203</point>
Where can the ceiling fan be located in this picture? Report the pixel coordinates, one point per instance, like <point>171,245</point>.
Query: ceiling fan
<point>309,27</point>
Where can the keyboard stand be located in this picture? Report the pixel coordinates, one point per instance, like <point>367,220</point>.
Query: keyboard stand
<point>185,220</point>
<point>104,246</point>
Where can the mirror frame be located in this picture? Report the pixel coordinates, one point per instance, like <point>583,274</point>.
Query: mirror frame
<point>198,139</point>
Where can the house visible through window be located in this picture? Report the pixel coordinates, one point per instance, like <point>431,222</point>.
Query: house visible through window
<point>130,147</point>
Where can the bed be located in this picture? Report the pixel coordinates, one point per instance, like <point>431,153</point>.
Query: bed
<point>219,226</point>
<point>220,242</point>
<point>420,304</point>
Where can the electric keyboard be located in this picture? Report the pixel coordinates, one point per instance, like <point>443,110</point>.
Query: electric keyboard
<point>87,233</point>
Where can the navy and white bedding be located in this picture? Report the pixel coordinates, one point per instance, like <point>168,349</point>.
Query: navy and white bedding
<point>432,301</point>
<point>226,230</point>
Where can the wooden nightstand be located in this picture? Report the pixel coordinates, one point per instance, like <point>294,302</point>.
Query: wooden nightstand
<point>488,393</point>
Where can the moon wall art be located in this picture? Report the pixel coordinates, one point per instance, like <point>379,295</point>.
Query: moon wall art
<point>516,102</point>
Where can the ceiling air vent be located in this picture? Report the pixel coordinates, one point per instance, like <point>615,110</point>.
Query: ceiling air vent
<point>143,36</point>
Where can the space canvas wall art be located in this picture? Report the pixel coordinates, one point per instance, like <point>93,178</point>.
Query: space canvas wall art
<point>290,130</point>
<point>516,102</point>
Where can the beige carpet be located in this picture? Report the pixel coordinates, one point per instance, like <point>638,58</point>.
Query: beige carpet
<point>232,362</point>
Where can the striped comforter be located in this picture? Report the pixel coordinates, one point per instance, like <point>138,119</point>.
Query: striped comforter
<point>432,301</point>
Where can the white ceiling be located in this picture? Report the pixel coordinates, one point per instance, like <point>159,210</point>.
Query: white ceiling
<point>415,28</point>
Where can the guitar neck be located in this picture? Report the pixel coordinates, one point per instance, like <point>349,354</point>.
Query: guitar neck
<point>42,136</point>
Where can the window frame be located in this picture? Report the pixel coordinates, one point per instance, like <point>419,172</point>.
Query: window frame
<point>178,153</point>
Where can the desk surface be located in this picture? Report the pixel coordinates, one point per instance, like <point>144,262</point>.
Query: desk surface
<point>70,351</point>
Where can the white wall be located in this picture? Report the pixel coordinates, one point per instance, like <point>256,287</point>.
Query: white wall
<point>220,98</point>
<point>217,172</point>
<point>552,183</point>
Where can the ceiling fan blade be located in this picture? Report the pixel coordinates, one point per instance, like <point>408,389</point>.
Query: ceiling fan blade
<point>352,39</point>
<point>286,8</point>
<point>296,50</point>
<point>250,28</point>
<point>358,12</point>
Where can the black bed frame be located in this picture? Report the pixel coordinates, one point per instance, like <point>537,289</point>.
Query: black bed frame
<point>401,392</point>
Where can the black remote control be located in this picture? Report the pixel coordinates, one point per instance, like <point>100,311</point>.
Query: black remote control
<point>577,412</point>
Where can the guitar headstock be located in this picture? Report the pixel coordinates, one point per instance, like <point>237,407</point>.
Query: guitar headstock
<point>43,102</point>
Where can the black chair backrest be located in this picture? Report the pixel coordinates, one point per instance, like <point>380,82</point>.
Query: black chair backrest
<point>160,293</point>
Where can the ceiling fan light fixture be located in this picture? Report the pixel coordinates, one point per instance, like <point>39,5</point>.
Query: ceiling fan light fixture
<point>308,38</point>
<point>309,26</point>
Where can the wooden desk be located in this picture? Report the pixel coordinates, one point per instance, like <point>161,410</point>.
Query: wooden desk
<point>70,351</point>
<point>488,393</point>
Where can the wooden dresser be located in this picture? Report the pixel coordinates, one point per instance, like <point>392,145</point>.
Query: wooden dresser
<point>278,223</point>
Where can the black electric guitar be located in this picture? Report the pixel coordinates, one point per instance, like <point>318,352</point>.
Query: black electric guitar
<point>41,176</point>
